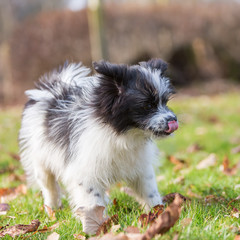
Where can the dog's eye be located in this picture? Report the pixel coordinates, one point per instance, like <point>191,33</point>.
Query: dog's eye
<point>148,106</point>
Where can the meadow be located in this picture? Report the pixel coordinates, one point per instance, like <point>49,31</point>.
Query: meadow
<point>200,161</point>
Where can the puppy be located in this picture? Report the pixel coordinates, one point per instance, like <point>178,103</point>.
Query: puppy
<point>90,132</point>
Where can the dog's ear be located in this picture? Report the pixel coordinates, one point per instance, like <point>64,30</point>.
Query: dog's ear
<point>116,72</point>
<point>157,64</point>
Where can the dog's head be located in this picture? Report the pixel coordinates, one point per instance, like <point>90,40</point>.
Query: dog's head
<point>135,97</point>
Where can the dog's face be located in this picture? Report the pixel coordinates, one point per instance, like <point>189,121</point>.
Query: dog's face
<point>135,97</point>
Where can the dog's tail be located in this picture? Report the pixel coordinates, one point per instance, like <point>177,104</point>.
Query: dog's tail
<point>56,82</point>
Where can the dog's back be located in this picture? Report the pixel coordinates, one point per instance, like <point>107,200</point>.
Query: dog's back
<point>46,117</point>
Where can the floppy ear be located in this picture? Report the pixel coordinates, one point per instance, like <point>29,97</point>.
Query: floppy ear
<point>157,64</point>
<point>116,72</point>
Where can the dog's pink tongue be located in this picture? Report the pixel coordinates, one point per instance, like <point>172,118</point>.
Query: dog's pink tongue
<point>172,126</point>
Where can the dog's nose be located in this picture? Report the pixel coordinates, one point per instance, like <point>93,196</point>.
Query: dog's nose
<point>172,125</point>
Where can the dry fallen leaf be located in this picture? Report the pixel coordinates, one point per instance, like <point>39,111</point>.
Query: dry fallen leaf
<point>8,194</point>
<point>145,219</point>
<point>14,156</point>
<point>115,228</point>
<point>53,236</point>
<point>79,236</point>
<point>4,207</point>
<point>162,224</point>
<point>194,148</point>
<point>166,220</point>
<point>192,194</point>
<point>8,169</point>
<point>19,229</point>
<point>47,229</point>
<point>171,196</point>
<point>213,199</point>
<point>14,177</point>
<point>132,229</point>
<point>179,163</point>
<point>115,202</point>
<point>106,225</point>
<point>50,212</point>
<point>179,180</point>
<point>226,169</point>
<point>213,119</point>
<point>207,162</point>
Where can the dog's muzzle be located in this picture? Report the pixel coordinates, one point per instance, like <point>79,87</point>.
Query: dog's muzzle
<point>172,126</point>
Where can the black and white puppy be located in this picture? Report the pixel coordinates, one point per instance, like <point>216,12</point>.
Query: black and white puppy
<point>92,131</point>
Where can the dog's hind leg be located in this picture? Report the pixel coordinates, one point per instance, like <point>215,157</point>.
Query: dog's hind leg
<point>49,187</point>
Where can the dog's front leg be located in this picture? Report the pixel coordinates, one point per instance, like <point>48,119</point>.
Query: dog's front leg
<point>88,203</point>
<point>146,189</point>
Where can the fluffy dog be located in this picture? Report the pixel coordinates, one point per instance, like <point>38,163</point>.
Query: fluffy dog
<point>91,131</point>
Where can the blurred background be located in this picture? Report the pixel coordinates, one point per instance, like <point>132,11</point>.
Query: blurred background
<point>199,39</point>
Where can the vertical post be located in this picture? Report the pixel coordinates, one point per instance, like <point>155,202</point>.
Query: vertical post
<point>96,30</point>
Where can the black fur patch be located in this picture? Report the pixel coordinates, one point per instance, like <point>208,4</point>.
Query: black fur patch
<point>90,190</point>
<point>125,98</point>
<point>156,64</point>
<point>29,103</point>
<point>57,122</point>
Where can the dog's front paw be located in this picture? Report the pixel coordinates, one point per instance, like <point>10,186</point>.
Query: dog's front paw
<point>91,218</point>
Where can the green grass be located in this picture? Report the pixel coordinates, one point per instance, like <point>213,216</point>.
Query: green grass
<point>211,122</point>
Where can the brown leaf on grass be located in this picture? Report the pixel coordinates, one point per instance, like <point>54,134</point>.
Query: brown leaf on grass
<point>115,228</point>
<point>207,162</point>
<point>162,224</point>
<point>194,148</point>
<point>227,170</point>
<point>14,177</point>
<point>145,219</point>
<point>132,229</point>
<point>4,207</point>
<point>50,212</point>
<point>48,229</point>
<point>166,220</point>
<point>19,229</point>
<point>7,169</point>
<point>171,196</point>
<point>115,202</point>
<point>234,200</point>
<point>192,194</point>
<point>53,236</point>
<point>106,225</point>
<point>79,237</point>
<point>179,180</point>
<point>213,119</point>
<point>235,150</point>
<point>8,194</point>
<point>179,163</point>
<point>213,199</point>
<point>14,156</point>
